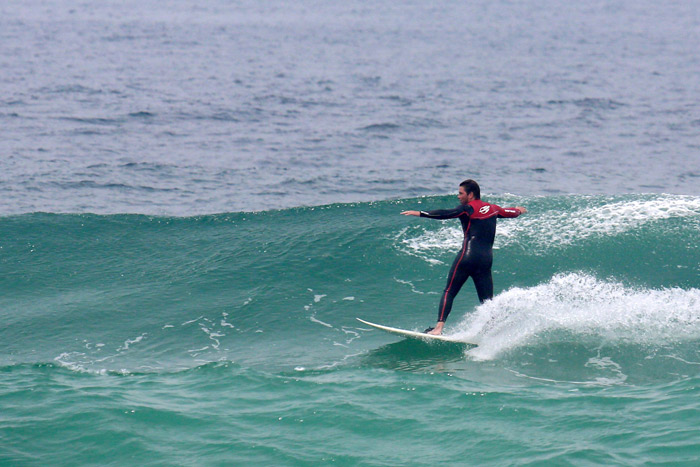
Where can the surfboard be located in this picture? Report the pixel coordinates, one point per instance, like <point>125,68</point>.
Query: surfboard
<point>414,334</point>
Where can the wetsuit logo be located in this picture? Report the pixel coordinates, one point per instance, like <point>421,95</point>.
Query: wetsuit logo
<point>484,209</point>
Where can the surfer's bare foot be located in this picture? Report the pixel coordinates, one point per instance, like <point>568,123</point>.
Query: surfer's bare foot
<point>437,330</point>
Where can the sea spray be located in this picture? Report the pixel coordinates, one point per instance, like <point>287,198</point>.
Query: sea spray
<point>583,308</point>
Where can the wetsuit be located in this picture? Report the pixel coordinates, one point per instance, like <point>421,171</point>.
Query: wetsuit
<point>476,256</point>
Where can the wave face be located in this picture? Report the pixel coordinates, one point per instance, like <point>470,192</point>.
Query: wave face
<point>243,324</point>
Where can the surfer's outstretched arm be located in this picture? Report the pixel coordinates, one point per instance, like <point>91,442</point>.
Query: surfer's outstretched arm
<point>510,212</point>
<point>460,210</point>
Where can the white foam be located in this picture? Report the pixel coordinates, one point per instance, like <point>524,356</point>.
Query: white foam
<point>430,243</point>
<point>316,320</point>
<point>413,287</point>
<point>68,360</point>
<point>79,363</point>
<point>129,342</point>
<point>192,321</point>
<point>542,230</point>
<point>212,335</point>
<point>600,219</point>
<point>581,306</point>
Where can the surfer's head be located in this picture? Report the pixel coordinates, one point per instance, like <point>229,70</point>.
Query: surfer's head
<point>470,186</point>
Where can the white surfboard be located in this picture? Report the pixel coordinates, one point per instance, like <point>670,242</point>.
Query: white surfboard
<point>414,334</point>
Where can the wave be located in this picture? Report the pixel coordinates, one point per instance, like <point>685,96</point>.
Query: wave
<point>281,289</point>
<point>565,221</point>
<point>587,308</point>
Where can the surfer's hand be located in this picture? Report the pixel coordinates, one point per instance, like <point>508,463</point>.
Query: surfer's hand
<point>411,213</point>
<point>521,209</point>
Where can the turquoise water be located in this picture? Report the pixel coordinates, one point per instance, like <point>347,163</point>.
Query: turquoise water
<point>197,199</point>
<point>232,339</point>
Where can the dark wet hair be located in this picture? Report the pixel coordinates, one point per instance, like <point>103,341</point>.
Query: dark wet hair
<point>470,186</point>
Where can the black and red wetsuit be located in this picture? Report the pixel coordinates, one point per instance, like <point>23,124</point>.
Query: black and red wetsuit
<point>476,256</point>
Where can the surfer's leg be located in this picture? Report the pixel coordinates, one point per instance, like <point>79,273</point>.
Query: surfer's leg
<point>483,281</point>
<point>459,273</point>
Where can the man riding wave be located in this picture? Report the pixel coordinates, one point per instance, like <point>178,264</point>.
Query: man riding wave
<point>474,260</point>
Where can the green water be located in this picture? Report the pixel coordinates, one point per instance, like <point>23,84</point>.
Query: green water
<point>231,339</point>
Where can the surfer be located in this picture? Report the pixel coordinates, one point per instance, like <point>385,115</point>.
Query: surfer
<point>476,256</point>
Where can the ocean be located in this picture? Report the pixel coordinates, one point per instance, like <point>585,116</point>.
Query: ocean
<point>199,199</point>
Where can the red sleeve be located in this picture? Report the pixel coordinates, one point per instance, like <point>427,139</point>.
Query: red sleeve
<point>506,212</point>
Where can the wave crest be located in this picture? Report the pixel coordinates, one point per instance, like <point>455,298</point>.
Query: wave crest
<point>580,306</point>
